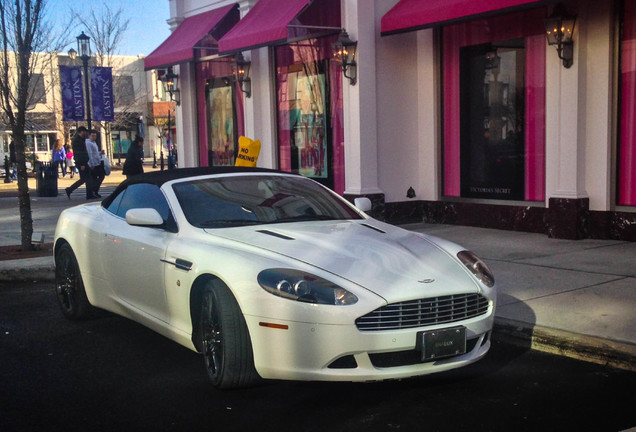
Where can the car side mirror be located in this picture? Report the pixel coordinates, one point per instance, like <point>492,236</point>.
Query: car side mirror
<point>363,204</point>
<point>144,217</point>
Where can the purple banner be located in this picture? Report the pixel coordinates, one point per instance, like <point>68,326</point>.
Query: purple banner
<point>102,94</point>
<point>72,93</point>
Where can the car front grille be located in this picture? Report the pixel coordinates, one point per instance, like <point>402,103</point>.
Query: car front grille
<point>424,312</point>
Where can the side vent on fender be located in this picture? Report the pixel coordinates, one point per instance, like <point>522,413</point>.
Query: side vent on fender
<point>374,228</point>
<point>275,234</point>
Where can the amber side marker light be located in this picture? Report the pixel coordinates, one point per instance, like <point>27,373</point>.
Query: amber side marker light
<point>274,326</point>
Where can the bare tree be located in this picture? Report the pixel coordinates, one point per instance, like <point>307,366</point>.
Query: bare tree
<point>106,29</point>
<point>26,37</point>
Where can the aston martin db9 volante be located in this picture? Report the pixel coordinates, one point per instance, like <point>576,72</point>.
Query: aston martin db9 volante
<point>270,275</point>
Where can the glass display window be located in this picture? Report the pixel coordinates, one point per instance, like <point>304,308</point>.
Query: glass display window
<point>220,108</point>
<point>494,108</point>
<point>222,136</point>
<point>310,128</point>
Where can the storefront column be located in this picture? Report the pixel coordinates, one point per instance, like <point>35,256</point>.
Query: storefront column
<point>568,202</point>
<point>259,108</point>
<point>429,125</point>
<point>361,146</point>
<point>260,119</point>
<point>186,135</point>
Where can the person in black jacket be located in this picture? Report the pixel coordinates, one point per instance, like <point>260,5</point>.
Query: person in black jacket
<point>81,162</point>
<point>133,164</point>
<point>13,159</point>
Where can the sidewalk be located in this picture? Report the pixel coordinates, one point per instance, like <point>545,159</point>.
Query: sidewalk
<point>569,297</point>
<point>11,189</point>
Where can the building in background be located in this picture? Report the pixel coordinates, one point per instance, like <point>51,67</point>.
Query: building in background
<point>44,125</point>
<point>461,111</point>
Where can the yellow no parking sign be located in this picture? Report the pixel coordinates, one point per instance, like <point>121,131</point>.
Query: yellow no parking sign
<point>248,152</point>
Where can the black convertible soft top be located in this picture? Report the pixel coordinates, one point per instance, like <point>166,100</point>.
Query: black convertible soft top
<point>158,178</point>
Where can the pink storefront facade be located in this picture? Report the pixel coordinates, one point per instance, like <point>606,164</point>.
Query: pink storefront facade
<point>461,113</point>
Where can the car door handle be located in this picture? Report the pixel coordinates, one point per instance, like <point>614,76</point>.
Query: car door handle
<point>179,263</point>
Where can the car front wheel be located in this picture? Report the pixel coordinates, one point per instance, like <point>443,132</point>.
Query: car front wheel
<point>225,340</point>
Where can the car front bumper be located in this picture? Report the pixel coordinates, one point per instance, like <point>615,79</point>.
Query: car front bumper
<point>317,352</point>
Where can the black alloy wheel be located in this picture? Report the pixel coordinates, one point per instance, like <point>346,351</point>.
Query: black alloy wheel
<point>225,341</point>
<point>69,286</point>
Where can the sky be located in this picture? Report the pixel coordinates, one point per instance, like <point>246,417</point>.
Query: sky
<point>147,28</point>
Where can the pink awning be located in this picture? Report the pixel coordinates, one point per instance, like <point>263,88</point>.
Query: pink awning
<point>180,45</point>
<point>265,24</point>
<point>410,15</point>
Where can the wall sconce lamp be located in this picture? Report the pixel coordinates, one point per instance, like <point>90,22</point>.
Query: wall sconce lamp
<point>241,70</point>
<point>170,84</point>
<point>344,54</point>
<point>492,59</point>
<point>559,28</point>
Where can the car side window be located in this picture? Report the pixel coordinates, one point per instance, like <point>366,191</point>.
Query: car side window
<point>143,195</point>
<point>114,205</point>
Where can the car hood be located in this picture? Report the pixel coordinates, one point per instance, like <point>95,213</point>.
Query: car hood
<point>392,262</point>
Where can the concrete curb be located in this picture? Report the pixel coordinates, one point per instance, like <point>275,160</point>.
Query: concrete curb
<point>617,354</point>
<point>36,270</point>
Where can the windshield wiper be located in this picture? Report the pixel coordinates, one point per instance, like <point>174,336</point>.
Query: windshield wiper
<point>224,223</point>
<point>304,218</point>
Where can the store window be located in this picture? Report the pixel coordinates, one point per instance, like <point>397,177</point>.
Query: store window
<point>310,127</point>
<point>37,142</point>
<point>41,143</point>
<point>627,145</point>
<point>220,112</point>
<point>222,136</point>
<point>494,108</point>
<point>124,91</point>
<point>36,91</point>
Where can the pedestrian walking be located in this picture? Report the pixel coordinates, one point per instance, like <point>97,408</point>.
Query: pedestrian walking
<point>70,162</point>
<point>59,158</point>
<point>133,164</point>
<point>81,160</point>
<point>95,163</point>
<point>13,159</point>
<point>67,148</point>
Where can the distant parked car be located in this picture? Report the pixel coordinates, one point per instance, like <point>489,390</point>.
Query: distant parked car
<point>271,275</point>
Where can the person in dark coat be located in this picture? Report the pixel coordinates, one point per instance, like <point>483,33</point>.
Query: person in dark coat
<point>133,165</point>
<point>13,159</point>
<point>81,162</point>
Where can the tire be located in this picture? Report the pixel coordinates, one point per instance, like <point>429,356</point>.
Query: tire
<point>225,340</point>
<point>69,286</point>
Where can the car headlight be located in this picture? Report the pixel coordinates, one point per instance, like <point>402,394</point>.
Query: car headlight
<point>304,287</point>
<point>477,267</point>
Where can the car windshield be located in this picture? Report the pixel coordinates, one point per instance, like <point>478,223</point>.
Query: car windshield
<point>222,202</point>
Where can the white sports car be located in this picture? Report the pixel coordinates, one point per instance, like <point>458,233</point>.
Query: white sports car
<point>271,275</point>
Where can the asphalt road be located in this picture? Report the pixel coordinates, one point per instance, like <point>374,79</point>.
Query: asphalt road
<point>110,373</point>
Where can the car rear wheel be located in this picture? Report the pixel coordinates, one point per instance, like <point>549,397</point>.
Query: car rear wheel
<point>69,285</point>
<point>225,340</point>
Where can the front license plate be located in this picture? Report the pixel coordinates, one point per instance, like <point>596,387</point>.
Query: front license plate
<point>442,343</point>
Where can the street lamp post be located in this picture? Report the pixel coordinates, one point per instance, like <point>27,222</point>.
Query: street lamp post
<point>170,80</point>
<point>84,51</point>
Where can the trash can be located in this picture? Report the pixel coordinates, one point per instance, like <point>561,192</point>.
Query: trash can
<point>46,179</point>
